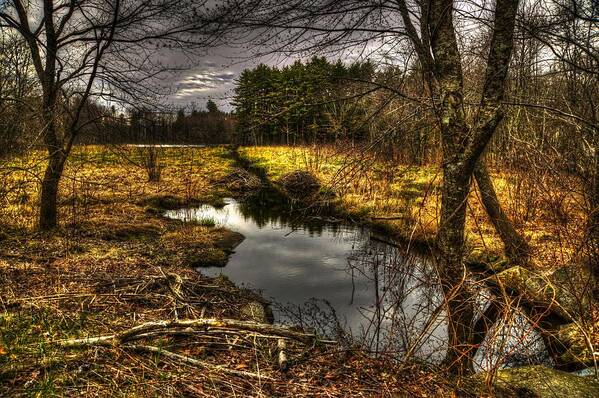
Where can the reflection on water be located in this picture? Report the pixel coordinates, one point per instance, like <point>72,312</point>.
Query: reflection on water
<point>335,279</point>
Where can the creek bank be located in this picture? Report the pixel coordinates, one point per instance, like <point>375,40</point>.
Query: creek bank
<point>560,294</point>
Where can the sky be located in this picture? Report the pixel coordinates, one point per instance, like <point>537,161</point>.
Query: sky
<point>212,76</point>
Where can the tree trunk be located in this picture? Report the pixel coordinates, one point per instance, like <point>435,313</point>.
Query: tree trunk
<point>450,242</point>
<point>516,247</point>
<point>593,222</point>
<point>48,218</point>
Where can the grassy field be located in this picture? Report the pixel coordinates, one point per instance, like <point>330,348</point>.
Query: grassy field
<point>116,263</point>
<point>405,199</point>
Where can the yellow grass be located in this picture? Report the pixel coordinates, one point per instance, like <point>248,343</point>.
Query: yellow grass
<point>411,196</point>
<point>99,174</point>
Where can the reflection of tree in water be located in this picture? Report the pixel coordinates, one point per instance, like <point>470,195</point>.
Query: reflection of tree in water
<point>406,319</point>
<point>317,315</point>
<point>268,206</point>
<point>405,315</point>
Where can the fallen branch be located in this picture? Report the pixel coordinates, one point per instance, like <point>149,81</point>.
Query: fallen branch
<point>189,324</point>
<point>196,362</point>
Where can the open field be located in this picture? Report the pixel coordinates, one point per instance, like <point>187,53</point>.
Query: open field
<point>116,263</point>
<point>405,199</point>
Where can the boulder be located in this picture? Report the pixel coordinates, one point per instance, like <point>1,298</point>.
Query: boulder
<point>542,382</point>
<point>565,291</point>
<point>578,351</point>
<point>534,286</point>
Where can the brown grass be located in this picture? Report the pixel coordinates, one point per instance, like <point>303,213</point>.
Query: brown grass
<point>547,208</point>
<point>114,264</point>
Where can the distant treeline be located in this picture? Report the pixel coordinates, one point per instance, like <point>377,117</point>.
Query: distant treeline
<point>145,126</point>
<point>300,103</point>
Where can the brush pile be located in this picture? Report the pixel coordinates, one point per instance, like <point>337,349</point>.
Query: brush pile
<point>299,184</point>
<point>241,180</point>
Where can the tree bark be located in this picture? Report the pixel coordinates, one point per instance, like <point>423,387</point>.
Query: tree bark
<point>593,221</point>
<point>48,218</point>
<point>515,245</point>
<point>450,242</point>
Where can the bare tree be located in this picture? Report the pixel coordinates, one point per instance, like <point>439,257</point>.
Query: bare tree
<point>90,48</point>
<point>568,30</point>
<point>17,94</point>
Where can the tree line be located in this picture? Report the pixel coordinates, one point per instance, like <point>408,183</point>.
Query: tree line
<point>300,103</point>
<point>159,126</point>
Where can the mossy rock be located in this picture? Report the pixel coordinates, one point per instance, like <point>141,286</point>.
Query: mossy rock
<point>536,287</point>
<point>542,382</point>
<point>578,350</point>
<point>488,260</point>
<point>575,285</point>
<point>257,312</point>
<point>557,292</point>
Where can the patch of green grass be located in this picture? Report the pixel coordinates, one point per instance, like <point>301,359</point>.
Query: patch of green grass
<point>206,221</point>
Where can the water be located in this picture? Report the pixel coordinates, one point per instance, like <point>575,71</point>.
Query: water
<point>336,279</point>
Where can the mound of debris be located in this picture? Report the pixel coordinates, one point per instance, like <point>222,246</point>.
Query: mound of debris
<point>299,184</point>
<point>241,180</point>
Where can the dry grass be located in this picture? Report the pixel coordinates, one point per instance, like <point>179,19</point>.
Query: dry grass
<point>113,175</point>
<point>405,199</point>
<point>115,263</point>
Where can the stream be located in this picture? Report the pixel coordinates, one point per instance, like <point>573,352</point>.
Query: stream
<point>336,279</point>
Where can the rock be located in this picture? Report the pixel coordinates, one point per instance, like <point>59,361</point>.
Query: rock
<point>578,351</point>
<point>257,312</point>
<point>535,287</point>
<point>487,260</point>
<point>575,283</point>
<point>299,184</point>
<point>564,291</point>
<point>540,381</point>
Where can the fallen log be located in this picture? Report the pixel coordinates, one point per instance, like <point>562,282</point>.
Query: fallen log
<point>190,324</point>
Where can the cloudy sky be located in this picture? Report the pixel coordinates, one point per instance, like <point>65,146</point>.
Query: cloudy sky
<point>212,76</point>
<point>208,80</point>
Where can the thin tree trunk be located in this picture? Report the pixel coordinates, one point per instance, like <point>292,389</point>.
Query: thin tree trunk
<point>593,222</point>
<point>515,245</point>
<point>450,242</point>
